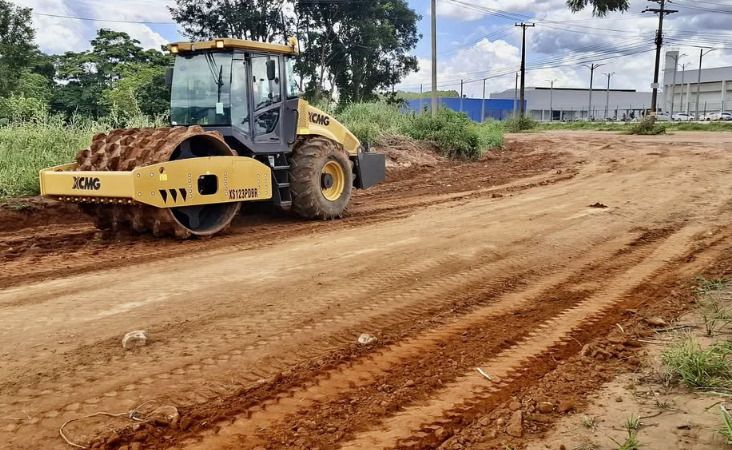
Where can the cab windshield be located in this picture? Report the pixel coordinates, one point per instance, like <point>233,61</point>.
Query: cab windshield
<point>200,94</point>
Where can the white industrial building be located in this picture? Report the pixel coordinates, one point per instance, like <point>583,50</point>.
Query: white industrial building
<point>544,103</point>
<point>680,86</point>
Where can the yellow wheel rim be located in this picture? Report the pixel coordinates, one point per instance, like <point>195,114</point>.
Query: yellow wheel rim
<point>332,181</point>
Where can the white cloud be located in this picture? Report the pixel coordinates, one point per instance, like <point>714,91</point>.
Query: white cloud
<point>58,35</point>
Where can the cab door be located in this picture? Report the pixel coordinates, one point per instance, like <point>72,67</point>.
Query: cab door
<point>266,102</point>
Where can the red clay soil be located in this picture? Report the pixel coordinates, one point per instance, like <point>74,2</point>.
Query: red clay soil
<point>41,238</point>
<point>499,265</point>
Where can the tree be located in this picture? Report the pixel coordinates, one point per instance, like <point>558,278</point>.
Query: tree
<point>256,20</point>
<point>361,47</point>
<point>599,7</point>
<point>88,75</point>
<point>17,47</point>
<point>140,90</point>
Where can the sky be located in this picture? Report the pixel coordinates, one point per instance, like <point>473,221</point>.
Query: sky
<point>476,39</point>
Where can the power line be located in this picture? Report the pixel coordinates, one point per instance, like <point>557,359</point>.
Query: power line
<point>90,19</point>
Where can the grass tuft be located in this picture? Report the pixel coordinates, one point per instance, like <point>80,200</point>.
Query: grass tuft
<point>705,286</point>
<point>693,366</point>
<point>589,423</point>
<point>726,430</point>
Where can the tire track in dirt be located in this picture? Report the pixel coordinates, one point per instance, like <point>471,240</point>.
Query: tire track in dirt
<point>506,366</point>
<point>362,372</point>
<point>41,252</point>
<point>191,378</point>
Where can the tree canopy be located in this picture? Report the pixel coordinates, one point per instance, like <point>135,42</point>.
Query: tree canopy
<point>360,47</point>
<point>17,46</point>
<point>89,79</point>
<point>599,7</point>
<point>256,20</point>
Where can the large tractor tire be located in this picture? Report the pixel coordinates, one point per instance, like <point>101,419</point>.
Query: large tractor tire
<point>126,149</point>
<point>321,178</point>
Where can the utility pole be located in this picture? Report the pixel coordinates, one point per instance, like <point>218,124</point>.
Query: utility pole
<point>461,95</point>
<point>683,68</point>
<point>551,99</point>
<point>515,94</point>
<point>592,68</point>
<point>523,61</point>
<point>698,78</point>
<point>673,84</point>
<point>662,12</point>
<point>482,104</point>
<point>607,96</point>
<point>434,57</point>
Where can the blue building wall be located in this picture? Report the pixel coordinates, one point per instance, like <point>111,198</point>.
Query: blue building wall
<point>496,109</point>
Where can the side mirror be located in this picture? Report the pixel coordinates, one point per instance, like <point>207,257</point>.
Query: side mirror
<point>169,76</point>
<point>271,65</point>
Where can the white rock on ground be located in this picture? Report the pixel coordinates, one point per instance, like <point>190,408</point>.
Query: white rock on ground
<point>134,339</point>
<point>366,339</point>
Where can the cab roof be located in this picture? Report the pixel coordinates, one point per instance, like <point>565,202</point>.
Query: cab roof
<point>181,47</point>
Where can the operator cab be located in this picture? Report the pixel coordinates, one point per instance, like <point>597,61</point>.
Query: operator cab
<point>248,91</point>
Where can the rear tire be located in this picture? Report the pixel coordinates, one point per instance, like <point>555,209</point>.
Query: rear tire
<point>321,178</point>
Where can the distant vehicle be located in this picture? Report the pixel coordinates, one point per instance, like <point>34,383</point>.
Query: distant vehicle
<point>663,117</point>
<point>682,117</point>
<point>721,115</point>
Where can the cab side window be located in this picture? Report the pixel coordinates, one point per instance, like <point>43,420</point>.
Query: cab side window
<point>239,99</point>
<point>266,92</point>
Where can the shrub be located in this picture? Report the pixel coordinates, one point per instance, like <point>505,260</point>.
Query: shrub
<point>517,124</point>
<point>454,133</point>
<point>647,126</point>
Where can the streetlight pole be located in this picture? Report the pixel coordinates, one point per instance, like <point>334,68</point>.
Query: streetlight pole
<point>698,78</point>
<point>607,96</point>
<point>592,68</point>
<point>683,69</point>
<point>673,85</point>
<point>551,99</point>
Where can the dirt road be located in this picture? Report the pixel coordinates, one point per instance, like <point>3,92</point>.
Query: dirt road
<point>501,264</point>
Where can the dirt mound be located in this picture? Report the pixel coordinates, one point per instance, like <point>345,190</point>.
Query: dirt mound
<point>402,152</point>
<point>31,212</point>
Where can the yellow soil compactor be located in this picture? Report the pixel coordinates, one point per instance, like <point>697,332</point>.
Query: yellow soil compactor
<point>240,133</point>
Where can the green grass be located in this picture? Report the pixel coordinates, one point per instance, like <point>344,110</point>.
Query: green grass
<point>372,122</point>
<point>27,147</point>
<point>697,367</point>
<point>625,126</point>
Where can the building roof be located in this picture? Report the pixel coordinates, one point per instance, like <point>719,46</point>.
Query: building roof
<point>547,88</point>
